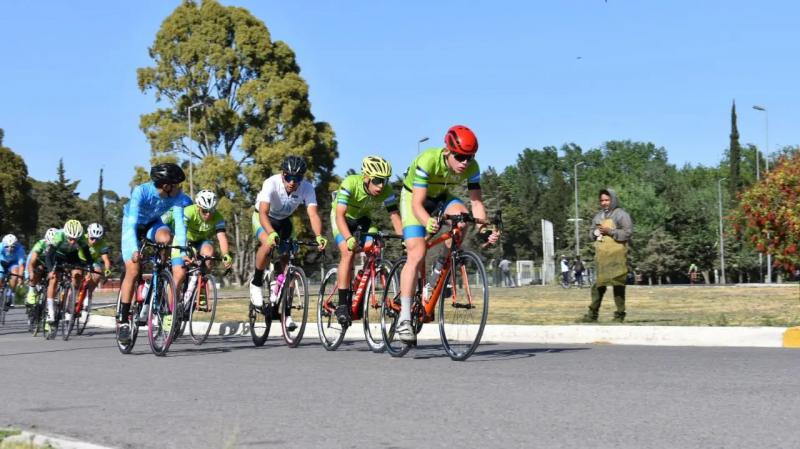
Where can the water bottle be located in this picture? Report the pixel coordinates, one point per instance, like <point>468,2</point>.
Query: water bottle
<point>275,288</point>
<point>145,290</point>
<point>190,288</point>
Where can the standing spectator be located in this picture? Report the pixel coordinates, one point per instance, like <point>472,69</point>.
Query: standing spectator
<point>564,271</point>
<point>692,273</point>
<point>505,268</point>
<point>611,230</point>
<point>577,266</point>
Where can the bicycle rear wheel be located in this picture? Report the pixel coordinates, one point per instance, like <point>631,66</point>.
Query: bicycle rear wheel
<point>294,300</point>
<point>390,314</point>
<point>381,285</point>
<point>201,315</point>
<point>462,316</point>
<point>163,318</point>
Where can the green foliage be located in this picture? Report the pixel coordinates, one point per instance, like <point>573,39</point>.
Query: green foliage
<point>17,204</point>
<point>250,109</point>
<point>58,201</point>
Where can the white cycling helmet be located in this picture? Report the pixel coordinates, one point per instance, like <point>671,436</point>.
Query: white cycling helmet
<point>50,235</point>
<point>9,240</point>
<point>206,199</point>
<point>73,229</point>
<point>95,231</point>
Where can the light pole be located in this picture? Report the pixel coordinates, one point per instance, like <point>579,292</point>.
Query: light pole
<point>191,154</point>
<point>424,139</point>
<point>763,109</point>
<point>577,230</point>
<point>721,241</point>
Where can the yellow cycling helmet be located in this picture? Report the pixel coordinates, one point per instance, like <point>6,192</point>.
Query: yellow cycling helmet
<point>376,167</point>
<point>73,229</point>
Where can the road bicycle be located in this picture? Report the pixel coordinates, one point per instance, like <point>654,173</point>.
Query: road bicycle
<point>76,319</point>
<point>291,298</point>
<point>200,307</point>
<point>368,287</point>
<point>154,302</point>
<point>461,292</point>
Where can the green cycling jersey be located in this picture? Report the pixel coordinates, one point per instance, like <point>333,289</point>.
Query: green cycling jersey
<point>63,247</point>
<point>197,229</point>
<point>429,170</point>
<point>97,249</point>
<point>353,194</point>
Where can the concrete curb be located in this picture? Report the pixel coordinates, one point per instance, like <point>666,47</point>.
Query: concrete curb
<point>760,337</point>
<point>29,439</point>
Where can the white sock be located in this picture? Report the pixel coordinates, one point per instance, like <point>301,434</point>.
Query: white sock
<point>405,309</point>
<point>51,309</point>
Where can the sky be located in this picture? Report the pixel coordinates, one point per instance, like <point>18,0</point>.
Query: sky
<point>521,74</point>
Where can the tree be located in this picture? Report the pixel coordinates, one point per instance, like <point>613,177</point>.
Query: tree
<point>735,155</point>
<point>768,215</point>
<point>101,205</point>
<point>252,108</point>
<point>661,255</point>
<point>18,208</point>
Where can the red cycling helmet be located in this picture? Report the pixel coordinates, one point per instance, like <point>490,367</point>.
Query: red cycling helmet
<point>460,139</point>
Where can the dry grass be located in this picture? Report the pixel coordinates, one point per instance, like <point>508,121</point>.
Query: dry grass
<point>662,306</point>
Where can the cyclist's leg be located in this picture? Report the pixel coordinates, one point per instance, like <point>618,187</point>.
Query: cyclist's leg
<point>256,297</point>
<point>344,275</point>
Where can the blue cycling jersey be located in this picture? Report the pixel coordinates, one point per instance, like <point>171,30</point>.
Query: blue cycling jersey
<point>146,207</point>
<point>12,257</point>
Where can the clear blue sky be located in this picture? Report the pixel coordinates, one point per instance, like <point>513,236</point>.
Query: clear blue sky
<point>385,74</point>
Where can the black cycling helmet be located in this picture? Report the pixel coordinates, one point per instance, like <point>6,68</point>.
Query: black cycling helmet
<point>294,165</point>
<point>167,174</point>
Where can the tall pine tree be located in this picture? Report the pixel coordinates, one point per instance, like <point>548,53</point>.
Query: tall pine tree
<point>734,181</point>
<point>101,203</point>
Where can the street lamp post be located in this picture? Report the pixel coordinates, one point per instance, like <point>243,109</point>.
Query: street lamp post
<point>763,109</point>
<point>424,139</point>
<point>577,230</point>
<point>721,241</point>
<point>191,154</point>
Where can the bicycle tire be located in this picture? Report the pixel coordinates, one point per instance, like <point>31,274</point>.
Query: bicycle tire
<point>209,311</point>
<point>260,333</point>
<point>462,318</point>
<point>390,315</point>
<point>133,324</point>
<point>161,333</point>
<point>331,333</point>
<point>67,319</point>
<point>3,310</point>
<point>371,315</point>
<point>81,322</point>
<point>294,297</point>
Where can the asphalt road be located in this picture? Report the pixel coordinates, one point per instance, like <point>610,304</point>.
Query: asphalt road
<point>227,393</point>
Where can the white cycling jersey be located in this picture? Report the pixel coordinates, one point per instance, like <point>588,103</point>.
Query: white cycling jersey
<point>281,203</point>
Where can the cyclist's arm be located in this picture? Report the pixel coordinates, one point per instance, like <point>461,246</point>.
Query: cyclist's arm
<point>180,227</point>
<point>20,255</point>
<point>341,221</point>
<point>32,261</point>
<point>106,261</point>
<point>418,204</point>
<point>397,222</point>
<point>263,217</point>
<point>222,238</point>
<point>476,203</point>
<point>83,247</point>
<point>313,217</point>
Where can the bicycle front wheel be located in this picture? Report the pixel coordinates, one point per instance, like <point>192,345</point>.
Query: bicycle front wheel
<point>260,321</point>
<point>390,314</point>
<point>294,300</point>
<point>462,315</point>
<point>66,315</point>
<point>3,295</point>
<point>381,285</point>
<point>163,318</point>
<point>82,318</point>
<point>204,308</point>
<point>331,333</point>
<point>133,324</point>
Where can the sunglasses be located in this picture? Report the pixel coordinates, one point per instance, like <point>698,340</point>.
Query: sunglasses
<point>463,157</point>
<point>379,181</point>
<point>205,211</point>
<point>293,178</point>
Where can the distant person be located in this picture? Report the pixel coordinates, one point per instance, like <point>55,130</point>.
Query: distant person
<point>505,269</point>
<point>564,271</point>
<point>611,231</point>
<point>692,274</point>
<point>577,267</point>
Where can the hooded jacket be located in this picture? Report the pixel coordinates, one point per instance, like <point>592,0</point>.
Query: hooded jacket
<point>623,225</point>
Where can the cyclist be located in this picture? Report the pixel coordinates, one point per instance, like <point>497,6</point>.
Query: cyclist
<point>203,221</point>
<point>69,246</point>
<point>99,249</point>
<point>280,196</point>
<point>12,260</point>
<point>142,219</point>
<point>425,190</point>
<point>34,266</point>
<point>356,198</point>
